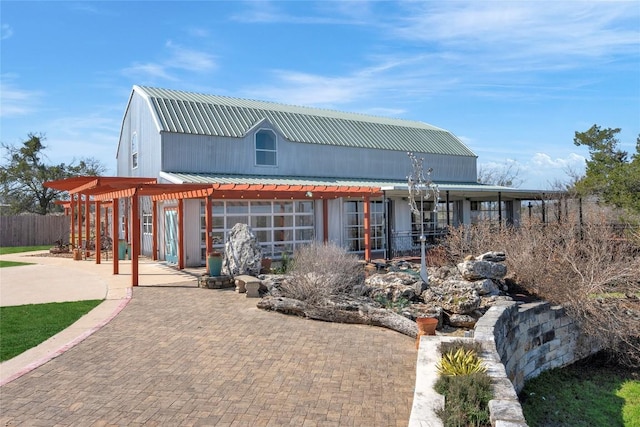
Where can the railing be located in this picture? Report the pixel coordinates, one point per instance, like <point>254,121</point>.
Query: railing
<point>407,244</point>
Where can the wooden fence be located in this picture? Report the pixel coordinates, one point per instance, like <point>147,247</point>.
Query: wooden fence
<point>33,230</point>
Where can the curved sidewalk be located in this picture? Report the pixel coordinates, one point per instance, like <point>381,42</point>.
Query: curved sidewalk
<point>181,355</point>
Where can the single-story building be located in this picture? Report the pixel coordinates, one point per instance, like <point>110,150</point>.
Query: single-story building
<point>296,174</point>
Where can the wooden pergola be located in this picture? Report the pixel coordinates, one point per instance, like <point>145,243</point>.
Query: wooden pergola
<point>106,192</point>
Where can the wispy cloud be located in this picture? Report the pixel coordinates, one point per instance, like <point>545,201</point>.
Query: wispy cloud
<point>6,32</point>
<point>265,12</point>
<point>482,49</point>
<point>179,58</point>
<point>16,101</point>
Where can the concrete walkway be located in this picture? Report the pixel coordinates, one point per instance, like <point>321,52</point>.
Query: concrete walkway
<point>175,354</point>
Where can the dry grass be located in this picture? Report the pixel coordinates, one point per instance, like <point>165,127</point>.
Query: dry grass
<point>319,270</point>
<point>574,266</point>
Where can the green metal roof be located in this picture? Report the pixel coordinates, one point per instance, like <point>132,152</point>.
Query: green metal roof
<point>201,114</point>
<point>469,189</point>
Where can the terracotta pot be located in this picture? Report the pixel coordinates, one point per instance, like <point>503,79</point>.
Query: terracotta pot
<point>426,326</point>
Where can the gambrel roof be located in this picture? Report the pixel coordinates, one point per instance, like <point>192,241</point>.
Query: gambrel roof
<point>200,114</point>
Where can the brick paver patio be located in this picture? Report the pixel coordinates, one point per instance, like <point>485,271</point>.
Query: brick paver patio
<point>180,355</point>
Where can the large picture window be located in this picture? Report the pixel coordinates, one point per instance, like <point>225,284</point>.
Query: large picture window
<point>266,148</point>
<point>354,225</point>
<point>280,226</point>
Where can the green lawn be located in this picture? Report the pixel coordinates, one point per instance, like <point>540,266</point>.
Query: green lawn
<point>13,263</point>
<point>25,326</point>
<point>583,395</point>
<point>5,250</point>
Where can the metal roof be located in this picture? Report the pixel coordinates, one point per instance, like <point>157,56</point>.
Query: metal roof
<point>397,188</point>
<point>201,114</point>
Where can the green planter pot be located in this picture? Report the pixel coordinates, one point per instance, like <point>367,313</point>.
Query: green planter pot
<point>214,264</point>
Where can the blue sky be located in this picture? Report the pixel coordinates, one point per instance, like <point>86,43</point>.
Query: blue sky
<point>513,79</point>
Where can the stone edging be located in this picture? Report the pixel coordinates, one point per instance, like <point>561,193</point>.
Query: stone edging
<point>519,342</point>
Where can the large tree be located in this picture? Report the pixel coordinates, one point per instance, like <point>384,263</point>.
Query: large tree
<point>610,174</point>
<point>25,172</point>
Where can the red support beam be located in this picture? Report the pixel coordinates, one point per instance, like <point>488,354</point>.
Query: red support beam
<point>79,222</point>
<point>208,224</point>
<point>367,229</point>
<point>87,224</point>
<point>98,218</point>
<point>180,234</point>
<point>135,238</point>
<point>154,230</point>
<point>325,221</point>
<point>115,233</point>
<point>73,221</point>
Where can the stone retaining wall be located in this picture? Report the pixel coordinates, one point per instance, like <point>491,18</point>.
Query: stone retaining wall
<point>520,341</point>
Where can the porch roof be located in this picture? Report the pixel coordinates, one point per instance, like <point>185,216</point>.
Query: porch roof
<point>457,191</point>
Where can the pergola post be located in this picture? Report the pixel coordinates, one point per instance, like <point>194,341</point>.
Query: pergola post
<point>135,237</point>
<point>367,229</point>
<point>98,231</point>
<point>79,222</point>
<point>180,234</point>
<point>73,219</point>
<point>154,229</point>
<point>115,234</point>
<point>325,220</point>
<point>87,225</point>
<point>208,225</point>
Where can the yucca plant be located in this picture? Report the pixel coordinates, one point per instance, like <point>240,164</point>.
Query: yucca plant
<point>460,362</point>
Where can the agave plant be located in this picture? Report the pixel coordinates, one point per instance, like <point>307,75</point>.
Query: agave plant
<point>460,362</point>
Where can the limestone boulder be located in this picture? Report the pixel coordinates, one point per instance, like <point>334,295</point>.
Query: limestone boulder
<point>393,286</point>
<point>478,270</point>
<point>242,252</point>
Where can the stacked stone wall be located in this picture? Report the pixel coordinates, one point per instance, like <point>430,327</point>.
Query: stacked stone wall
<point>521,341</point>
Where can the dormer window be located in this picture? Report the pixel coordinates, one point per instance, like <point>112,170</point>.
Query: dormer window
<point>266,148</point>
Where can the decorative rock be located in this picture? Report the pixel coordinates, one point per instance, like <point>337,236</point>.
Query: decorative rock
<point>393,286</point>
<point>242,253</point>
<point>492,257</point>
<point>486,287</point>
<point>462,321</point>
<point>477,270</point>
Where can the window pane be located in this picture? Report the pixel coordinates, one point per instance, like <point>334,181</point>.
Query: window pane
<point>237,207</point>
<point>282,235</point>
<point>283,221</point>
<point>283,207</point>
<point>260,221</point>
<point>218,208</point>
<point>265,140</point>
<point>306,207</point>
<point>218,222</point>
<point>233,220</point>
<point>304,221</point>
<point>263,236</point>
<point>266,158</point>
<point>304,235</point>
<point>260,207</point>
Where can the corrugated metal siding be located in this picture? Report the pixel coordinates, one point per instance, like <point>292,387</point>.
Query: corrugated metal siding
<point>191,113</point>
<point>226,155</point>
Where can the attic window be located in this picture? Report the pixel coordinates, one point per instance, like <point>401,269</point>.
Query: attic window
<point>266,148</point>
<point>134,150</point>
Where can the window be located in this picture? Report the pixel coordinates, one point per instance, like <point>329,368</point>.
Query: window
<point>134,150</point>
<point>354,225</point>
<point>147,223</point>
<point>266,148</point>
<point>279,226</point>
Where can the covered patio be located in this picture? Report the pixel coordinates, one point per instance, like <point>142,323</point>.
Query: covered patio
<point>107,193</point>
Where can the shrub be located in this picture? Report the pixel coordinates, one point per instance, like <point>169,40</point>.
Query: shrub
<point>320,270</point>
<point>467,345</point>
<point>583,268</point>
<point>466,400</point>
<point>460,362</point>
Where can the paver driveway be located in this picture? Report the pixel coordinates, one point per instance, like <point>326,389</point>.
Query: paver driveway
<point>181,355</point>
